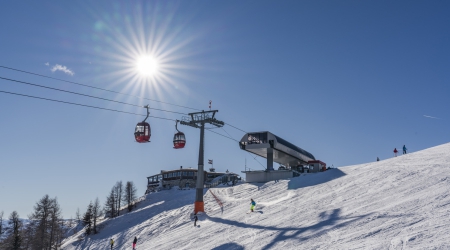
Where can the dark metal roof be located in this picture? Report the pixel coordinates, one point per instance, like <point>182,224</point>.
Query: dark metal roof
<point>293,147</point>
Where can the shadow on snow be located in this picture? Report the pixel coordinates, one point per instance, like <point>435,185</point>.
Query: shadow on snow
<point>229,246</point>
<point>330,220</point>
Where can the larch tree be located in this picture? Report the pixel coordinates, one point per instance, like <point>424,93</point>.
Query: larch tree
<point>1,222</point>
<point>56,230</point>
<point>77,219</point>
<point>130,194</point>
<point>42,217</point>
<point>16,225</point>
<point>87,219</point>
<point>110,204</point>
<point>96,213</point>
<point>45,224</point>
<point>119,196</point>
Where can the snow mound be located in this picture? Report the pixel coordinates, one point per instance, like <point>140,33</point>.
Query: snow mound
<point>398,203</point>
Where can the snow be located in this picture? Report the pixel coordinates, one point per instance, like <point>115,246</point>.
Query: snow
<point>398,203</point>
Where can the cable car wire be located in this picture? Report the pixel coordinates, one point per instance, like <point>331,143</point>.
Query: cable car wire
<point>89,86</point>
<point>114,110</point>
<point>236,128</point>
<point>75,93</point>
<point>84,105</point>
<point>223,135</point>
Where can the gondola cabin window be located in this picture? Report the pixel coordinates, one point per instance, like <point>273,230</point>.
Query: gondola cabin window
<point>142,130</point>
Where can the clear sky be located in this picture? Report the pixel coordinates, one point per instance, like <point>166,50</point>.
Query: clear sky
<point>347,81</point>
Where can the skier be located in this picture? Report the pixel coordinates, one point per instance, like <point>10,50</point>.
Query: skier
<point>195,220</point>
<point>395,152</point>
<point>404,149</point>
<point>134,243</point>
<point>253,204</point>
<point>378,159</point>
<point>111,242</point>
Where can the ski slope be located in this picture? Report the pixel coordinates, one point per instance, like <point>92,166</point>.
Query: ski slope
<point>398,203</point>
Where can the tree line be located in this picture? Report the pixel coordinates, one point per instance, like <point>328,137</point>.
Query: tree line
<point>45,228</point>
<point>119,195</point>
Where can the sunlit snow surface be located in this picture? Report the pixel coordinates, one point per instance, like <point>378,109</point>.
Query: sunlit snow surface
<point>398,203</point>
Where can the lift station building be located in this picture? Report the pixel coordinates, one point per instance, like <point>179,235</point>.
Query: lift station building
<point>276,149</point>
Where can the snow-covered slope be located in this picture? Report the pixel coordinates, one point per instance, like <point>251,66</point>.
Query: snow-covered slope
<point>399,203</point>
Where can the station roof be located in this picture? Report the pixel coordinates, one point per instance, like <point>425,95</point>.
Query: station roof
<point>284,152</point>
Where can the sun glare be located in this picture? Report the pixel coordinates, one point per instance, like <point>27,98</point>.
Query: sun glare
<point>147,66</point>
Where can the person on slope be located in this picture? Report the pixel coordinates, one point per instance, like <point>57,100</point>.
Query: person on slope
<point>195,220</point>
<point>404,149</point>
<point>395,152</point>
<point>111,242</point>
<point>252,205</point>
<point>134,243</point>
<point>378,159</point>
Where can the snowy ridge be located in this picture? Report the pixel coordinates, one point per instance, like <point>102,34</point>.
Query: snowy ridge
<point>398,203</point>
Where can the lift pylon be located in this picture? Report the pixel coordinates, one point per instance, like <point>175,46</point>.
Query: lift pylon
<point>198,120</point>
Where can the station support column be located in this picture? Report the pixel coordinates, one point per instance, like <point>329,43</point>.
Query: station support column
<point>269,159</point>
<point>199,205</point>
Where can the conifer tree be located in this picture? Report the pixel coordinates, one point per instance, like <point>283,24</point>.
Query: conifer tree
<point>1,222</point>
<point>45,226</point>
<point>110,204</point>
<point>130,194</point>
<point>96,213</point>
<point>55,226</point>
<point>77,219</point>
<point>16,224</point>
<point>118,189</point>
<point>87,219</point>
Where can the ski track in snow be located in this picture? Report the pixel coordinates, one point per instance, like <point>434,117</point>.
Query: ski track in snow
<point>397,203</point>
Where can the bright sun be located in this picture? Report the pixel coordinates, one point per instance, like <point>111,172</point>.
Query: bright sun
<point>147,66</point>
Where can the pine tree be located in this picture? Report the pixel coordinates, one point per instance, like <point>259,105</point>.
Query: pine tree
<point>87,219</point>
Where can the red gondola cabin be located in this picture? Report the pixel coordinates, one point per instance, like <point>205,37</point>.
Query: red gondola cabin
<point>142,132</point>
<point>179,140</point>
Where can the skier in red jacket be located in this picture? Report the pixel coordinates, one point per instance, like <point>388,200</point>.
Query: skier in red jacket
<point>395,152</point>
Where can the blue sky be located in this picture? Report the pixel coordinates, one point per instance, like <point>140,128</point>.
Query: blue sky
<point>346,80</point>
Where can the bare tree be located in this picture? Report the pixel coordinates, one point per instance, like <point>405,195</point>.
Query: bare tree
<point>78,215</point>
<point>77,219</point>
<point>55,226</point>
<point>96,213</point>
<point>110,204</point>
<point>1,222</point>
<point>28,233</point>
<point>119,195</point>
<point>15,239</point>
<point>130,194</point>
<point>42,217</point>
<point>46,218</point>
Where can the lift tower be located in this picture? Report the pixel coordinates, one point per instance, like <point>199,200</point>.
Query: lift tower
<point>198,120</point>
